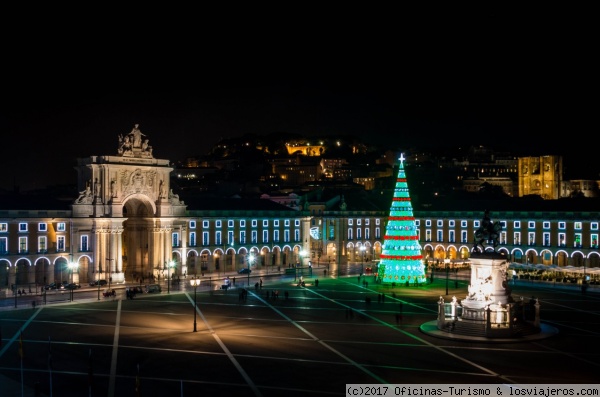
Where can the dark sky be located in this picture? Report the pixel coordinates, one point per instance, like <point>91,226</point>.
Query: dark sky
<point>516,95</point>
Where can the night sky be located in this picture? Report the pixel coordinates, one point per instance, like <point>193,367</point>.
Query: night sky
<point>505,98</point>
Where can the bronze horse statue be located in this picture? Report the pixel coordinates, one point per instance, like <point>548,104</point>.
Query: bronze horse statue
<point>488,231</point>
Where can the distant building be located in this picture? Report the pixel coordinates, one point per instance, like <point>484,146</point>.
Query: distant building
<point>541,176</point>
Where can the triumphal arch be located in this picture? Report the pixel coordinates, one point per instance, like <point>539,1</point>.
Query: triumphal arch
<point>127,209</point>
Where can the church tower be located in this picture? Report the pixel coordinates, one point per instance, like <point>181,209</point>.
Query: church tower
<point>541,176</point>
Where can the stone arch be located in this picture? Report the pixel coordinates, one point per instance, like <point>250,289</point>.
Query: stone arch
<point>138,251</point>
<point>192,258</point>
<point>4,272</point>
<point>138,206</point>
<point>42,271</point>
<point>562,259</point>
<point>577,259</point>
<point>594,259</point>
<point>61,269</point>
<point>22,272</point>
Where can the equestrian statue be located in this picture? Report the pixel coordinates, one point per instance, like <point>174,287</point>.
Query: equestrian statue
<point>488,232</point>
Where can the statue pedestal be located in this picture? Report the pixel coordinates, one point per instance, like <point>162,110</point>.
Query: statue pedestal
<point>488,281</point>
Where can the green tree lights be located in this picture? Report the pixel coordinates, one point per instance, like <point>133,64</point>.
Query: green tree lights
<point>401,259</point>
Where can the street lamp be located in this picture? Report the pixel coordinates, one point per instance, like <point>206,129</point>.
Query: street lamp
<point>362,259</point>
<point>302,256</point>
<point>195,282</point>
<point>169,266</point>
<point>251,259</point>
<point>447,262</point>
<point>73,266</point>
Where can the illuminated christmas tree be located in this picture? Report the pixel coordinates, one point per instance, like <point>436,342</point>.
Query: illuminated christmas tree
<point>401,259</point>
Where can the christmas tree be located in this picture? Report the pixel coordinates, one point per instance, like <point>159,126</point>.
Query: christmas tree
<point>401,258</point>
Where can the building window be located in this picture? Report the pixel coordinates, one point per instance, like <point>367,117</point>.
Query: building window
<point>265,236</point>
<point>377,221</point>
<point>428,235</point>
<point>367,233</point>
<point>577,226</point>
<point>451,224</point>
<point>417,222</point>
<point>43,227</point>
<point>296,235</point>
<point>463,236</point>
<point>254,237</point>
<point>286,223</point>
<point>205,239</point>
<point>517,224</point>
<point>367,222</point>
<point>230,223</point>
<point>265,223</point>
<point>42,244</point>
<point>276,236</point>
<point>377,232</point>
<point>428,223</point>
<point>242,237</point>
<point>358,233</point>
<point>562,225</point>
<point>502,238</point>
<point>22,227</point>
<point>503,224</point>
<point>546,237</point>
<point>60,243</point>
<point>286,236</point>
<point>218,239</point>
<point>517,238</point>
<point>61,227</point>
<point>254,223</point>
<point>593,226</point>
<point>230,238</point>
<point>350,222</point>
<point>463,223</point>
<point>242,223</point>
<point>440,236</point>
<point>562,242</point>
<point>358,222</point>
<point>476,224</point>
<point>192,239</point>
<point>440,223</point>
<point>531,238</point>
<point>593,242</point>
<point>192,224</point>
<point>350,234</point>
<point>218,224</point>
<point>175,239</point>
<point>297,222</point>
<point>22,245</point>
<point>84,243</point>
<point>276,223</point>
<point>451,236</point>
<point>3,227</point>
<point>531,225</point>
<point>577,240</point>
<point>205,225</point>
<point>546,225</point>
<point>3,245</point>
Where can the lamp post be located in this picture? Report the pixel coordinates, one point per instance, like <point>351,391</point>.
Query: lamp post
<point>447,262</point>
<point>109,272</point>
<point>195,282</point>
<point>362,259</point>
<point>302,256</point>
<point>251,259</point>
<point>73,266</point>
<point>169,266</point>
